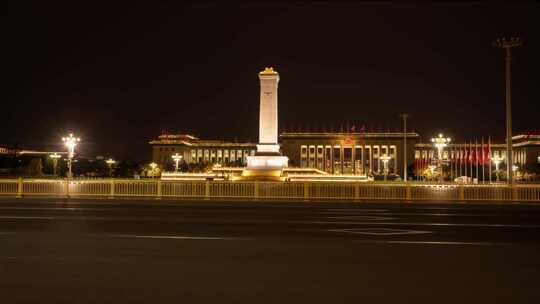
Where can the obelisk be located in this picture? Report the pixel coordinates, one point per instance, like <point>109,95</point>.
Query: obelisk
<point>268,163</point>
<point>268,113</point>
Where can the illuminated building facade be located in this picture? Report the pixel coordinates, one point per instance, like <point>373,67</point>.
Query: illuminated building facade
<point>348,153</point>
<point>194,150</point>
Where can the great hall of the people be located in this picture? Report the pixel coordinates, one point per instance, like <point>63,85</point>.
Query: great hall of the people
<point>338,153</point>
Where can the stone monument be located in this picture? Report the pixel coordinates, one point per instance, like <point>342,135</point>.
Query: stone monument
<point>268,163</point>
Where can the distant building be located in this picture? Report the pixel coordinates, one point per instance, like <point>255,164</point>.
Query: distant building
<point>194,150</point>
<point>344,153</point>
<point>526,149</point>
<point>5,150</point>
<point>347,153</point>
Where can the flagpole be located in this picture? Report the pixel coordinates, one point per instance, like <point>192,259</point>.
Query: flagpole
<point>489,157</point>
<point>483,162</point>
<point>459,157</point>
<point>450,159</point>
<point>465,159</point>
<point>471,159</point>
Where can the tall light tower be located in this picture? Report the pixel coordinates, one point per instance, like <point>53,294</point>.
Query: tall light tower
<point>176,157</point>
<point>404,116</point>
<point>70,143</point>
<point>440,142</point>
<point>507,44</point>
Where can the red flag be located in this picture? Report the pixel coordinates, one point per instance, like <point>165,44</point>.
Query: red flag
<point>470,154</point>
<point>482,155</point>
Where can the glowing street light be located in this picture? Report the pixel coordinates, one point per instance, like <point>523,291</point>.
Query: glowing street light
<point>153,166</point>
<point>70,143</point>
<point>385,158</point>
<point>440,143</point>
<point>176,157</point>
<point>55,158</point>
<point>497,160</point>
<point>110,162</point>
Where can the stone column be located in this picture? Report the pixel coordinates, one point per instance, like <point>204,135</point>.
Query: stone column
<point>268,115</point>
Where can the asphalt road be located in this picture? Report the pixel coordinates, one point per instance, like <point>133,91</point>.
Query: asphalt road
<point>125,251</point>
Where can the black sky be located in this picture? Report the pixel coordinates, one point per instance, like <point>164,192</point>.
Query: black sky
<point>118,75</point>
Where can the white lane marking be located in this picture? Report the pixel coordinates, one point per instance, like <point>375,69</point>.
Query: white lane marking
<point>380,231</point>
<point>56,208</point>
<point>442,243</point>
<point>176,237</point>
<point>424,224</point>
<point>356,209</point>
<point>361,217</point>
<point>26,217</point>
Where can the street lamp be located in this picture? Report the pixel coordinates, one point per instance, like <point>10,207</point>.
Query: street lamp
<point>153,166</point>
<point>497,160</point>
<point>55,158</point>
<point>507,44</point>
<point>176,157</point>
<point>404,116</point>
<point>110,162</point>
<point>440,142</point>
<point>385,158</point>
<point>70,143</point>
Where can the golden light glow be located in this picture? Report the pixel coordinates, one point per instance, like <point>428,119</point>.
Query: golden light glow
<point>268,71</point>
<point>70,143</point>
<point>55,155</point>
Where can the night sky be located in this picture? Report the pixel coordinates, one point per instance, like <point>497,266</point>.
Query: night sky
<point>118,75</point>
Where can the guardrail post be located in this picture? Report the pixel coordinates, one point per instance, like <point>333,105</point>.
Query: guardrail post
<point>461,193</point>
<point>356,192</point>
<point>514,192</point>
<point>408,192</point>
<point>306,192</point>
<point>111,192</point>
<point>158,186</point>
<point>67,187</point>
<point>207,190</point>
<point>256,190</point>
<point>20,187</point>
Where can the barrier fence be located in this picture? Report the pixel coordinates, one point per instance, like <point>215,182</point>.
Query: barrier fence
<point>305,191</point>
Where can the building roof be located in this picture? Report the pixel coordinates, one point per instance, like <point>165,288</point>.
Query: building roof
<point>190,140</point>
<point>347,134</point>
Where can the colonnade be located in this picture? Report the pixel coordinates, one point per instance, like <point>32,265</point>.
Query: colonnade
<point>349,159</point>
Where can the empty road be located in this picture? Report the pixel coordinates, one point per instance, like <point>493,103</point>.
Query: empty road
<point>129,251</point>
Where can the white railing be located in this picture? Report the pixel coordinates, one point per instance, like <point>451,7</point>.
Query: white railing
<point>306,191</point>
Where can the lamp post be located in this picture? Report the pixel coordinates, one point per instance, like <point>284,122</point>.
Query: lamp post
<point>497,160</point>
<point>54,158</point>
<point>153,166</point>
<point>404,116</point>
<point>514,169</point>
<point>507,44</point>
<point>176,157</point>
<point>70,143</point>
<point>432,170</point>
<point>385,158</point>
<point>110,162</point>
<point>440,142</point>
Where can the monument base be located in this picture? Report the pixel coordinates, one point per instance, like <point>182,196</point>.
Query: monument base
<point>264,168</point>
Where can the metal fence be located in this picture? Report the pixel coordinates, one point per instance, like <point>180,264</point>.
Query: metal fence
<point>305,191</point>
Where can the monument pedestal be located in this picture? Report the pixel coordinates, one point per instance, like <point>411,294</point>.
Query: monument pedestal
<point>265,167</point>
